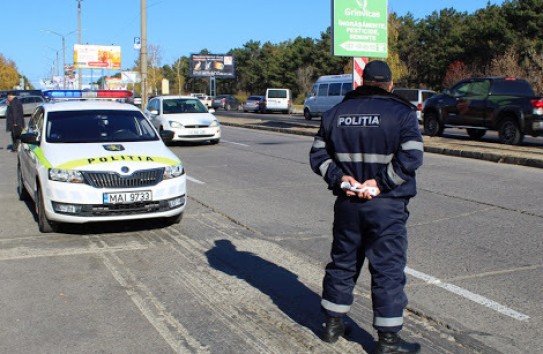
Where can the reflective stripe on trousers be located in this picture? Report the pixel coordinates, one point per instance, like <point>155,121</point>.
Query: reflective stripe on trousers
<point>374,230</point>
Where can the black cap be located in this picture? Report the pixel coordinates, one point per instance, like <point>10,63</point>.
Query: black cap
<point>377,71</point>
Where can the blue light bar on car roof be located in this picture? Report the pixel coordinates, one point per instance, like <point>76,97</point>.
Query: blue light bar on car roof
<point>82,94</point>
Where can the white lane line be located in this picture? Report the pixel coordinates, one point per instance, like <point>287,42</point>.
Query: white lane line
<point>468,295</point>
<point>231,142</point>
<point>195,180</point>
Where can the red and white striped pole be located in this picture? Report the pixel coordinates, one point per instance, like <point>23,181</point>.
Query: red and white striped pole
<point>358,68</point>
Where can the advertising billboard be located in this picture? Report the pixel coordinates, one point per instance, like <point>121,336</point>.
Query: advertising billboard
<point>97,56</point>
<point>212,65</point>
<point>359,28</point>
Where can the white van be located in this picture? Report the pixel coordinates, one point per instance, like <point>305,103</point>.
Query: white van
<point>415,96</point>
<point>278,100</point>
<point>327,91</point>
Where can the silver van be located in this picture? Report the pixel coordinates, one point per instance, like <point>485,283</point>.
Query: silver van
<point>327,91</point>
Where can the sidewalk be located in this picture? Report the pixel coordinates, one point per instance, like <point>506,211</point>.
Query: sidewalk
<point>515,155</point>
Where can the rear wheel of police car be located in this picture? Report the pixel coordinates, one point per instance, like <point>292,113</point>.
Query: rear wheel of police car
<point>21,190</point>
<point>44,224</point>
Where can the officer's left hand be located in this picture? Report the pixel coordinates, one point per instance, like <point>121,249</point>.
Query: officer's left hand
<point>366,194</point>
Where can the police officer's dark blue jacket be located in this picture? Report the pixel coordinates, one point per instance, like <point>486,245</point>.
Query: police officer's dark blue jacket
<point>371,134</point>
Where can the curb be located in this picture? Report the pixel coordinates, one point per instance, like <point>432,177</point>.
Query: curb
<point>431,147</point>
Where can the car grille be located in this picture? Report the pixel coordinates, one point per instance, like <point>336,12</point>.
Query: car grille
<point>127,209</point>
<point>143,178</point>
<point>196,126</point>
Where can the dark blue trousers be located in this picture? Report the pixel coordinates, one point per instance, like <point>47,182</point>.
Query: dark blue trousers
<point>375,230</point>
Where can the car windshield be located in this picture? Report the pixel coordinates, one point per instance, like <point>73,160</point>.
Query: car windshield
<point>182,105</point>
<point>3,101</point>
<point>93,126</point>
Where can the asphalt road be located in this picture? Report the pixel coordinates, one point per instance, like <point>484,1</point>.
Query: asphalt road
<point>242,271</point>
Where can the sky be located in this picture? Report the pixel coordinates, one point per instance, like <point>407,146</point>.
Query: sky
<point>177,27</point>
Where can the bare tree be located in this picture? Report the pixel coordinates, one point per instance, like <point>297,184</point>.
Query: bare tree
<point>155,58</point>
<point>179,75</point>
<point>304,79</point>
<point>507,65</point>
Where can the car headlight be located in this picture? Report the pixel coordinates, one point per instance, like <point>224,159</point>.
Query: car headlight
<point>215,123</point>
<point>61,175</point>
<point>173,171</point>
<point>175,124</point>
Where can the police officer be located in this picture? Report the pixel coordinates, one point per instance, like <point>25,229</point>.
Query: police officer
<point>371,139</point>
<point>15,121</point>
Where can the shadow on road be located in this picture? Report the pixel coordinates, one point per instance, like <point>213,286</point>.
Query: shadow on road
<point>291,296</point>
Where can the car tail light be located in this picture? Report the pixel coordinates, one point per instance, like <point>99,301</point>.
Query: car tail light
<point>419,107</point>
<point>537,104</point>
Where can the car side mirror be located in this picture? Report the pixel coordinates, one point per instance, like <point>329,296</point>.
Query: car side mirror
<point>30,138</point>
<point>153,111</point>
<point>211,110</point>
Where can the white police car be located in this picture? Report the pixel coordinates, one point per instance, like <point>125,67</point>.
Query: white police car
<point>92,160</point>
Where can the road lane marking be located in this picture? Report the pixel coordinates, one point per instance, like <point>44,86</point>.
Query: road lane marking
<point>195,180</point>
<point>232,142</point>
<point>468,295</point>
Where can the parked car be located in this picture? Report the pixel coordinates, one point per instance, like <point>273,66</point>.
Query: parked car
<point>29,104</point>
<point>417,97</point>
<point>186,116</point>
<point>226,102</point>
<point>87,161</point>
<point>255,104</point>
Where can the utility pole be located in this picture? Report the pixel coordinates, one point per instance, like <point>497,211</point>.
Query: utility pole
<point>79,76</point>
<point>63,54</point>
<point>143,54</point>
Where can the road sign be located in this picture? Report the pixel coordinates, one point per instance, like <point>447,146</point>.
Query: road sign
<point>137,43</point>
<point>359,28</point>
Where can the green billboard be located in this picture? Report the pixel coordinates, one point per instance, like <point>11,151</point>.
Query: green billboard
<point>359,28</point>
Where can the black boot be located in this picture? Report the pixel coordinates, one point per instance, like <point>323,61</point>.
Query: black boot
<point>334,328</point>
<point>391,343</point>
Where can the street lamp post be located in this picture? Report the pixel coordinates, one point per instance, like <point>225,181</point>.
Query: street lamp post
<point>63,54</point>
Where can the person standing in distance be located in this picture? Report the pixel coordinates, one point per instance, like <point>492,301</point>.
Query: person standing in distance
<point>15,121</point>
<point>371,139</point>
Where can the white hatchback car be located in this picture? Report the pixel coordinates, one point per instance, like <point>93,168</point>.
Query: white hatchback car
<point>94,161</point>
<point>186,116</point>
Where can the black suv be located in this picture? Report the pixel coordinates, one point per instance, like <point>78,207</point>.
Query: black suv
<point>504,104</point>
